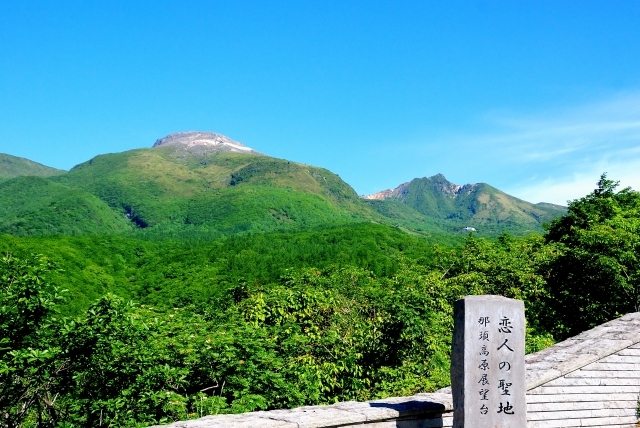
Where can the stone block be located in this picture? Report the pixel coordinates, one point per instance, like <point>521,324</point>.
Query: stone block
<point>487,363</point>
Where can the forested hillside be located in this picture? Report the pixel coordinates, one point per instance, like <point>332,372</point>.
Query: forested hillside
<point>175,273</point>
<point>157,330</point>
<point>35,206</point>
<point>206,186</point>
<point>165,189</point>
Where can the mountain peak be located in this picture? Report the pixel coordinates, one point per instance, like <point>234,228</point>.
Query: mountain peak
<point>468,205</point>
<point>439,181</point>
<point>203,142</point>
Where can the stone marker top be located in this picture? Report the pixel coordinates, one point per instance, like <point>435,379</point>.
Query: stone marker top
<point>487,297</point>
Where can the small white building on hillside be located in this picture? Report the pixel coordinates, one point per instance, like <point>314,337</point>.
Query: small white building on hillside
<point>590,380</point>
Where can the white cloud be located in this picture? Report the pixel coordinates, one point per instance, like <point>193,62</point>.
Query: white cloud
<point>553,155</point>
<point>578,184</point>
<point>563,153</point>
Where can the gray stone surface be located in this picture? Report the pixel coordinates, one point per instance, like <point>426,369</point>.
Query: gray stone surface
<point>419,406</point>
<point>317,416</point>
<point>487,363</point>
<point>244,420</point>
<point>585,348</point>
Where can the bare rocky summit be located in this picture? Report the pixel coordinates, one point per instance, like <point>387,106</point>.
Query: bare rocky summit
<point>203,142</point>
<point>389,193</point>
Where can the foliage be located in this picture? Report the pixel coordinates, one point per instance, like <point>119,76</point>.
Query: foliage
<point>313,336</point>
<point>316,337</point>
<point>598,273</point>
<point>28,361</point>
<point>511,267</point>
<point>275,320</point>
<point>170,273</point>
<point>352,336</point>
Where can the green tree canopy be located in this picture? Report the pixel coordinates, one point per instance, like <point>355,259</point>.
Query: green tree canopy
<point>597,276</point>
<point>29,363</point>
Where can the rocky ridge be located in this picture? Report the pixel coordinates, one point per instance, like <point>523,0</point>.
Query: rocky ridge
<point>457,207</point>
<point>402,190</point>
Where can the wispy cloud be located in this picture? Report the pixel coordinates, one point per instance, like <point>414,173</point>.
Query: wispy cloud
<point>613,125</point>
<point>578,183</point>
<point>562,153</point>
<point>554,155</point>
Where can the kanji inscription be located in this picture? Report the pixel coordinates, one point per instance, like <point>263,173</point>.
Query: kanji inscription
<point>487,363</point>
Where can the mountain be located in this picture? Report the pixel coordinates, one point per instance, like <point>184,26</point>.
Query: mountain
<point>208,182</point>
<point>13,166</point>
<point>205,184</point>
<point>452,206</point>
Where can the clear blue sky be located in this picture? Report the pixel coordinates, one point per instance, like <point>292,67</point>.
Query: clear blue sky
<point>536,98</point>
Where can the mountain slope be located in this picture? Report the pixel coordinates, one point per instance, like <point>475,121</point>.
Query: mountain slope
<point>36,206</point>
<point>13,166</point>
<point>209,187</point>
<point>451,206</point>
<point>172,273</point>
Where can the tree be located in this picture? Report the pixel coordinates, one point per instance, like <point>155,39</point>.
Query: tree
<point>597,276</point>
<point>29,366</point>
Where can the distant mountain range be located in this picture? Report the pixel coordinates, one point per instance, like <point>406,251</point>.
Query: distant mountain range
<point>200,182</point>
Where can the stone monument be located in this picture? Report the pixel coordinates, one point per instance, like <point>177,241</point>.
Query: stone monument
<point>487,363</point>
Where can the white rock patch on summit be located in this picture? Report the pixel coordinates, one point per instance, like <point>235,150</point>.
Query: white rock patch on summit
<point>203,141</point>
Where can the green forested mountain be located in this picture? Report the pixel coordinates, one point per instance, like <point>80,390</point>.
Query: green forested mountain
<point>205,184</point>
<point>452,207</point>
<point>165,188</point>
<point>13,166</point>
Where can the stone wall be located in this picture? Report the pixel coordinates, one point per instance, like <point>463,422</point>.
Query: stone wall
<point>420,410</point>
